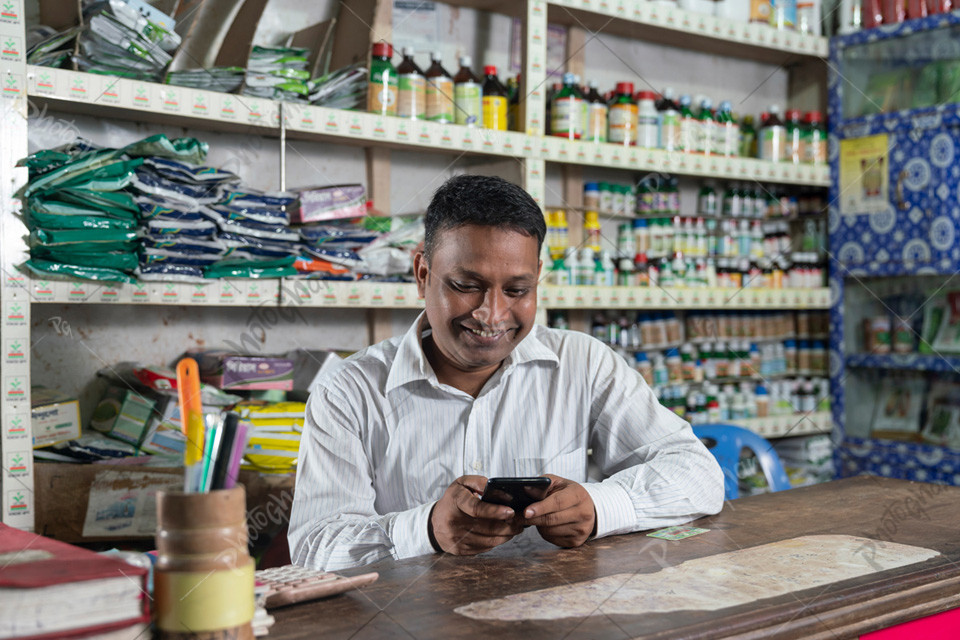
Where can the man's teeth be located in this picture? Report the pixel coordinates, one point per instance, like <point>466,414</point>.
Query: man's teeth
<point>486,334</point>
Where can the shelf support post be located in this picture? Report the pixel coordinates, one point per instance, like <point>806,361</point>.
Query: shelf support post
<point>16,441</point>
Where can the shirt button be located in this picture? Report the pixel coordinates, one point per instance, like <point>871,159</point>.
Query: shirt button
<point>477,465</point>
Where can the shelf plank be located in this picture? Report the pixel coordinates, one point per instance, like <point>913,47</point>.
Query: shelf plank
<point>799,424</point>
<point>663,24</point>
<point>905,361</point>
<point>361,294</point>
<point>107,96</point>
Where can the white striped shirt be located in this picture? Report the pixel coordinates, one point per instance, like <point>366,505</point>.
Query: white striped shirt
<point>383,440</point>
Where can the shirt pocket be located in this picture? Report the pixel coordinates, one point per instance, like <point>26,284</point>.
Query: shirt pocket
<point>570,466</point>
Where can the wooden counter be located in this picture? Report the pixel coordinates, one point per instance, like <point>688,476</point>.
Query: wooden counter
<point>416,598</point>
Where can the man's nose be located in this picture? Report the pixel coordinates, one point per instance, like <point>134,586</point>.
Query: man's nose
<point>493,310</point>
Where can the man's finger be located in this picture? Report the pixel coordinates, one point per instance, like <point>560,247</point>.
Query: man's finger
<point>554,519</point>
<point>472,506</point>
<point>553,503</point>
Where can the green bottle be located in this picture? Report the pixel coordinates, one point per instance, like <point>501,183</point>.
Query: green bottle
<point>689,126</point>
<point>382,91</point>
<point>706,136</point>
<point>748,138</point>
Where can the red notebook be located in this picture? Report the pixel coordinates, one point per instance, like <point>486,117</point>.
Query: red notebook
<point>51,589</point>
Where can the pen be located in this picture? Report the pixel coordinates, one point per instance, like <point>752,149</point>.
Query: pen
<point>191,420</point>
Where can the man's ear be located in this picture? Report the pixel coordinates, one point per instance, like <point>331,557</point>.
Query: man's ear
<point>420,272</point>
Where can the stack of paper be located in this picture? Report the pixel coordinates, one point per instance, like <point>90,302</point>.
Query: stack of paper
<point>274,437</point>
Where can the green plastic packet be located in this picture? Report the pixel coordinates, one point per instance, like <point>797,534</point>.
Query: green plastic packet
<point>925,90</point>
<point>116,204</point>
<point>45,268</point>
<point>42,207</point>
<point>276,268</point>
<point>120,260</point>
<point>39,219</point>
<point>43,161</point>
<point>186,149</point>
<point>95,237</point>
<point>112,176</point>
<point>84,161</point>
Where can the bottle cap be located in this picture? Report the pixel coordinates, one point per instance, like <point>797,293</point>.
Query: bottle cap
<point>408,51</point>
<point>685,100</point>
<point>813,116</point>
<point>591,186</point>
<point>625,88</point>
<point>490,70</point>
<point>668,93</point>
<point>726,106</point>
<point>774,108</point>
<point>435,55</point>
<point>793,114</point>
<point>383,50</point>
<point>706,103</point>
<point>593,84</point>
<point>465,61</point>
<point>569,78</point>
<point>646,95</point>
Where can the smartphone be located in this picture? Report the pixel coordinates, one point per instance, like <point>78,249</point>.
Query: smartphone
<point>518,493</point>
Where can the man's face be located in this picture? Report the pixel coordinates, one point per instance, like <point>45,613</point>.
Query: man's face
<point>481,294</point>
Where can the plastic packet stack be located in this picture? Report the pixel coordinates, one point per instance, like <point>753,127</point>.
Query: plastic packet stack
<point>278,73</point>
<point>343,89</point>
<point>121,40</point>
<point>82,223</point>
<point>179,240</point>
<point>222,79</point>
<point>254,228</point>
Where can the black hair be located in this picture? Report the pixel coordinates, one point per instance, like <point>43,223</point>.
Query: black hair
<point>481,200</point>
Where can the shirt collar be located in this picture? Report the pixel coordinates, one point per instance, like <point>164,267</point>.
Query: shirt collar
<point>410,363</point>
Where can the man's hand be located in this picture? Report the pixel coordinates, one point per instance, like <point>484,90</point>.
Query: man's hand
<point>465,526</point>
<point>566,516</point>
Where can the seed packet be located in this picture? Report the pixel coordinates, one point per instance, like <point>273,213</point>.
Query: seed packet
<point>343,257</point>
<point>45,268</point>
<point>240,196</point>
<point>39,218</point>
<point>242,226</point>
<point>180,171</point>
<point>327,235</point>
<point>116,204</point>
<point>169,272</point>
<point>120,260</point>
<point>159,145</point>
<point>266,215</point>
<point>163,256</point>
<point>184,245</point>
<point>238,245</point>
<point>46,181</point>
<point>198,227</point>
<point>276,268</point>
<point>98,237</point>
<point>189,196</point>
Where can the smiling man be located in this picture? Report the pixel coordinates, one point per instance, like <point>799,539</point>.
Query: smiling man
<point>399,441</point>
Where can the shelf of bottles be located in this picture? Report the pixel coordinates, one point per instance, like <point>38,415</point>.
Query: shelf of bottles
<point>720,367</point>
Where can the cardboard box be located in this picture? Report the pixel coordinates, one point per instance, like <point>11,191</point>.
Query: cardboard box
<point>230,371</point>
<point>54,417</point>
<point>117,500</point>
<point>331,203</point>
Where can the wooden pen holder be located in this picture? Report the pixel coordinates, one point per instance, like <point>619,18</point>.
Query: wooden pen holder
<point>203,582</point>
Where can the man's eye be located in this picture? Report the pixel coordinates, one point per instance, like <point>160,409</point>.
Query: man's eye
<point>516,293</point>
<point>464,287</point>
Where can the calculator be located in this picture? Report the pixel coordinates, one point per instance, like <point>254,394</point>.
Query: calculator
<point>290,584</point>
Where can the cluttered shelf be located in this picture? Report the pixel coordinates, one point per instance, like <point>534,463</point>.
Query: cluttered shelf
<point>168,104</point>
<point>327,293</point>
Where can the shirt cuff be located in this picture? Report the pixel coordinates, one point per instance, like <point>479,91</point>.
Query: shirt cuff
<point>409,532</point>
<point>615,512</point>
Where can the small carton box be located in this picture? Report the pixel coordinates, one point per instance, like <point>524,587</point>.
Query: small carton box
<point>54,417</point>
<point>231,371</point>
<point>331,203</point>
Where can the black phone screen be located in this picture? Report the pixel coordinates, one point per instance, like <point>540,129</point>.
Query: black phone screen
<point>518,493</point>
